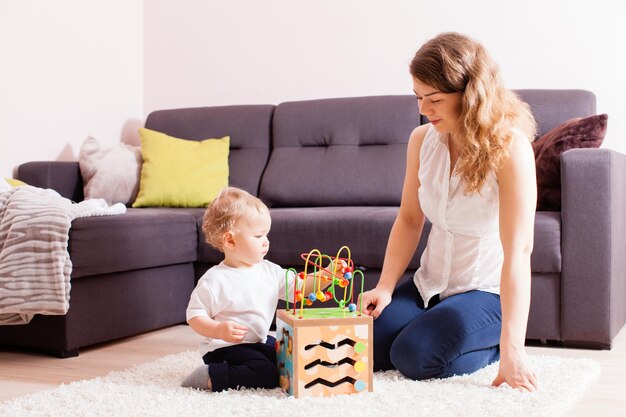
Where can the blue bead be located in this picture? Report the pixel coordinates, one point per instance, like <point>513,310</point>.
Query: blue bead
<point>360,385</point>
<point>312,296</point>
<point>347,275</point>
<point>352,307</point>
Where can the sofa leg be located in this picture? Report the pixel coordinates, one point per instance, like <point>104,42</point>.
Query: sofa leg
<point>63,353</point>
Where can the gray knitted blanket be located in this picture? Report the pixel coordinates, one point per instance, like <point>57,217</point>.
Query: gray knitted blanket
<point>35,266</point>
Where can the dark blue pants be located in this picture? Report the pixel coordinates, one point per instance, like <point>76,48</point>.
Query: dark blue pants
<point>246,365</point>
<point>458,335</point>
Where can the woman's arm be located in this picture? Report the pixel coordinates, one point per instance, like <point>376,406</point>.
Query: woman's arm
<point>405,233</point>
<point>518,199</point>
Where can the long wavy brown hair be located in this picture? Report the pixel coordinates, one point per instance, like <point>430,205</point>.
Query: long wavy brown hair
<point>452,62</point>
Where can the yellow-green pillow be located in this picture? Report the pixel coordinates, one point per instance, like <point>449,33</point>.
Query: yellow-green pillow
<point>14,183</point>
<point>181,173</point>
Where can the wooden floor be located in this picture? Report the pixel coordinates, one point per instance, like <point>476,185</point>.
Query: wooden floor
<point>25,373</point>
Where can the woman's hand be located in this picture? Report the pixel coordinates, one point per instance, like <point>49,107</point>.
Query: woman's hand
<point>232,332</point>
<point>515,371</point>
<point>374,301</point>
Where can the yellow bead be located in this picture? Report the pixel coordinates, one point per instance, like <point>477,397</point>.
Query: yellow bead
<point>359,366</point>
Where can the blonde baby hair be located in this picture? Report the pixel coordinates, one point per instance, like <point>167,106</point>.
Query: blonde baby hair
<point>230,205</point>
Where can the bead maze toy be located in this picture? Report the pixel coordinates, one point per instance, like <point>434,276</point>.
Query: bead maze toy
<point>325,351</point>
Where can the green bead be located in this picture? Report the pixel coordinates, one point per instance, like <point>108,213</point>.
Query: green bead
<point>359,347</point>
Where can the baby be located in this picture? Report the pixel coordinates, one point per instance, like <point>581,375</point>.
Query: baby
<point>233,304</point>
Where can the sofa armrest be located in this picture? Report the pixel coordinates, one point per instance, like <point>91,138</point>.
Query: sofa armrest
<point>63,177</point>
<point>593,278</point>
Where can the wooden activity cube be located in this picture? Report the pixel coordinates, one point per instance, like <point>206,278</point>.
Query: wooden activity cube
<point>327,351</point>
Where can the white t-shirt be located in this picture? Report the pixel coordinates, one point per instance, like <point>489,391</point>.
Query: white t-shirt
<point>244,295</point>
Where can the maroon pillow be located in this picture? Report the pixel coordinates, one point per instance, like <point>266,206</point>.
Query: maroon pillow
<point>581,132</point>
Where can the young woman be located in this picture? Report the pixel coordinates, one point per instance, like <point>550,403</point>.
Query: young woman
<point>471,172</point>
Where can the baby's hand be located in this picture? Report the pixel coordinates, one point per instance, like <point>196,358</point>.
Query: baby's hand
<point>336,266</point>
<point>232,332</point>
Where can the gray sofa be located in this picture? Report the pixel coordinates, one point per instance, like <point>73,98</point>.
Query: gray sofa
<point>331,171</point>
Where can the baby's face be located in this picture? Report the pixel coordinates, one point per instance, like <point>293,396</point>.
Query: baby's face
<point>251,241</point>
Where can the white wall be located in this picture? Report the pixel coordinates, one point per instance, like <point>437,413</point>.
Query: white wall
<point>72,68</point>
<point>68,69</point>
<point>214,52</point>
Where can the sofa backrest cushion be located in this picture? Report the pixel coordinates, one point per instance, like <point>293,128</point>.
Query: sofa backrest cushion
<point>248,127</point>
<point>343,151</point>
<point>553,107</point>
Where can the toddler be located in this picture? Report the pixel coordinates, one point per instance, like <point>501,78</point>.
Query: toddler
<point>233,304</point>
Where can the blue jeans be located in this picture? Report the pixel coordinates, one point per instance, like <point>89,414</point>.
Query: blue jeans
<point>455,336</point>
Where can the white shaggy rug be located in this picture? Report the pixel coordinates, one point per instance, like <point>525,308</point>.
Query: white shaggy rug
<point>152,389</point>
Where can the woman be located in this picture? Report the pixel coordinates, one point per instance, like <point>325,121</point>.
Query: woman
<point>471,171</point>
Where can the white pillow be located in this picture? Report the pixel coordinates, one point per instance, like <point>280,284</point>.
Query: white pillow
<point>111,173</point>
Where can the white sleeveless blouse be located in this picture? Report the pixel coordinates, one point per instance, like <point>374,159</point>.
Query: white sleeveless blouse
<point>464,251</point>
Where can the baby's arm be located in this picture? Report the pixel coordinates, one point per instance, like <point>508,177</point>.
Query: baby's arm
<point>310,284</point>
<point>228,331</point>
<point>324,275</point>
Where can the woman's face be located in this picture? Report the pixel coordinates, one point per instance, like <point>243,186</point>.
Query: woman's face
<point>441,109</point>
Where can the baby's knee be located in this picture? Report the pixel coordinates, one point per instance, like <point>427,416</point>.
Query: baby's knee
<point>266,373</point>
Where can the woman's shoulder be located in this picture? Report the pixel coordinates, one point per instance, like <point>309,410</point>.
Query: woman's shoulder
<point>519,142</point>
<point>520,154</point>
<point>418,135</point>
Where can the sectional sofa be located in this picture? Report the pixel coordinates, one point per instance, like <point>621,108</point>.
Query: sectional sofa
<point>331,170</point>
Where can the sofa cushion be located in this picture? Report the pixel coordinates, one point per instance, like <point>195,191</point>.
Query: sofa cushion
<point>140,238</point>
<point>339,152</point>
<point>13,182</point>
<point>296,230</point>
<point>247,126</point>
<point>110,172</point>
<point>179,172</point>
<point>579,132</point>
<point>365,230</point>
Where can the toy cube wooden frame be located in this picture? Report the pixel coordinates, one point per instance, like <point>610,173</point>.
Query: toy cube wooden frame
<point>325,352</point>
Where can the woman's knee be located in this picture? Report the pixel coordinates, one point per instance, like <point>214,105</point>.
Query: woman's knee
<point>416,359</point>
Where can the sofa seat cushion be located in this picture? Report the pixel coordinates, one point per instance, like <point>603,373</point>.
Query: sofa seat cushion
<point>140,238</point>
<point>364,230</point>
<point>546,256</point>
